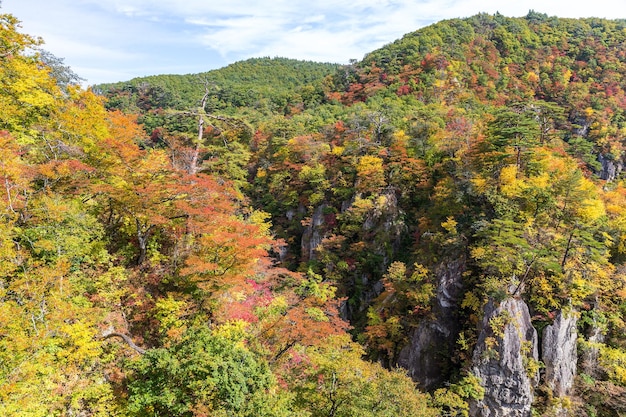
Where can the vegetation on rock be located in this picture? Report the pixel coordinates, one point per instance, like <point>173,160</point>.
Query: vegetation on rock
<point>257,240</point>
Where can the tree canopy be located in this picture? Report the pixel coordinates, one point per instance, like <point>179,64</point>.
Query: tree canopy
<point>265,239</point>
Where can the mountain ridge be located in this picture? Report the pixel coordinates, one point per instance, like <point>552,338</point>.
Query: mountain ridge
<point>437,229</point>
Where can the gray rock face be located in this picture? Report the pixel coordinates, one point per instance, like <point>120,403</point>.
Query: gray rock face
<point>386,220</point>
<point>426,354</point>
<point>559,353</point>
<point>430,344</point>
<point>589,360</point>
<point>610,168</point>
<point>583,125</point>
<point>506,344</point>
<point>313,234</point>
<point>423,357</point>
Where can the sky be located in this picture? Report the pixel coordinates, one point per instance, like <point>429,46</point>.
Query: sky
<point>117,40</point>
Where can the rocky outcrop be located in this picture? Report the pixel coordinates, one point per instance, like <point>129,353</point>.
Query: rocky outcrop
<point>313,234</point>
<point>427,355</point>
<point>610,168</point>
<point>503,361</point>
<point>581,125</point>
<point>558,352</point>
<point>594,334</point>
<point>385,220</point>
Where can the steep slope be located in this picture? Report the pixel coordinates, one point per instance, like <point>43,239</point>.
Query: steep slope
<point>477,162</point>
<point>461,187</point>
<point>134,285</point>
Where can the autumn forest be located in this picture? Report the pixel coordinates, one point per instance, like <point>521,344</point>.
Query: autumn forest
<point>438,229</point>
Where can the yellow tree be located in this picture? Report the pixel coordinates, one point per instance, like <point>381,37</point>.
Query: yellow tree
<point>28,92</point>
<point>370,174</point>
<point>547,239</point>
<point>336,381</point>
<point>51,254</point>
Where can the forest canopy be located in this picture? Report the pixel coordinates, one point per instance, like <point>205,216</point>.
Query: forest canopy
<point>291,238</point>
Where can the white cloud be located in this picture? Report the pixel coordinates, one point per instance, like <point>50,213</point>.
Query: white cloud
<point>108,37</point>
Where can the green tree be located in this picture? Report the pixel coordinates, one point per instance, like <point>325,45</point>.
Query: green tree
<point>208,372</point>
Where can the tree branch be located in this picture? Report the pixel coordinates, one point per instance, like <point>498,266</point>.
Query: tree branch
<point>125,338</point>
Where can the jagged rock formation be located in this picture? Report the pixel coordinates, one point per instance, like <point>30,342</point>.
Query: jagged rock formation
<point>428,352</point>
<point>558,352</point>
<point>313,233</point>
<point>589,360</point>
<point>503,359</point>
<point>386,221</point>
<point>610,168</point>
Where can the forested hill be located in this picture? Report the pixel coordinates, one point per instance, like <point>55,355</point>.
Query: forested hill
<point>438,229</point>
<point>575,63</point>
<point>256,83</point>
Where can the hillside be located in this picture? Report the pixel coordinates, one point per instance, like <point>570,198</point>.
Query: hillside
<point>438,229</point>
<point>255,83</point>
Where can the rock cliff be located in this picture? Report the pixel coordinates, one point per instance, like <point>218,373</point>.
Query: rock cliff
<point>558,352</point>
<point>505,360</point>
<point>313,234</point>
<point>428,353</point>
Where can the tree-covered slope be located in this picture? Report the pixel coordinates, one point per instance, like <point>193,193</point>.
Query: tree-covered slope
<point>475,162</point>
<point>456,196</point>
<point>132,284</point>
<point>577,64</point>
<point>274,83</point>
<point>461,187</point>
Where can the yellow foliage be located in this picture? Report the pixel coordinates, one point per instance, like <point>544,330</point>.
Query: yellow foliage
<point>339,377</point>
<point>480,184</point>
<point>370,173</point>
<point>400,136</point>
<point>613,360</point>
<point>510,185</point>
<point>277,306</point>
<point>532,77</point>
<point>590,210</point>
<point>169,312</point>
<point>450,225</point>
<point>316,314</point>
<point>82,121</point>
<point>362,205</point>
<point>508,174</point>
<point>261,219</point>
<point>478,252</point>
<point>234,330</point>
<point>544,290</point>
<point>539,181</point>
<point>471,301</point>
<point>567,74</point>
<point>28,92</point>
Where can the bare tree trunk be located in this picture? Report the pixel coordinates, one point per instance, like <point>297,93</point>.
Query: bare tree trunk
<point>142,241</point>
<point>125,338</point>
<point>568,247</point>
<point>193,166</point>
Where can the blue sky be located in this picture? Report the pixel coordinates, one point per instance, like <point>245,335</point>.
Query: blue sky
<point>116,40</point>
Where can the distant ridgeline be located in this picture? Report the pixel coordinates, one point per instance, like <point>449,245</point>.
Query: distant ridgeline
<point>242,84</point>
<point>288,238</point>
